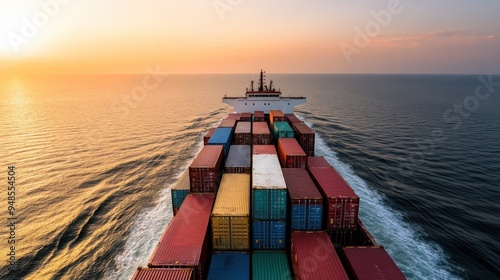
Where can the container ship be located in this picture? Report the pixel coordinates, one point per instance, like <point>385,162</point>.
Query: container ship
<point>257,203</point>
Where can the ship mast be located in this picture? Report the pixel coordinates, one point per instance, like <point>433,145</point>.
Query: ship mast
<point>261,81</point>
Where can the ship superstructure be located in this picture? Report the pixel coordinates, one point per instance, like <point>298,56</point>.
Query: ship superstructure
<point>264,98</point>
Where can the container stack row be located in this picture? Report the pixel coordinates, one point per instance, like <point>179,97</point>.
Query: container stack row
<point>342,203</point>
<point>269,202</point>
<point>248,209</point>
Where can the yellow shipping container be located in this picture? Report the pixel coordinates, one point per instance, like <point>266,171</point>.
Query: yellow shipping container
<point>231,213</point>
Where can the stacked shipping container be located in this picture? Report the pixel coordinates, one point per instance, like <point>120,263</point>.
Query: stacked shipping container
<point>144,273</point>
<point>291,154</point>
<point>238,159</point>
<point>261,134</point>
<point>282,130</point>
<point>343,203</point>
<point>270,266</point>
<point>276,116</point>
<point>246,117</point>
<point>231,214</point>
<point>269,196</point>
<point>229,266</point>
<point>264,149</point>
<point>228,123</point>
<point>317,162</point>
<point>305,136</point>
<point>359,236</point>
<point>291,119</point>
<point>243,133</point>
<point>305,202</point>
<point>222,136</point>
<point>233,116</point>
<point>314,257</point>
<point>179,191</point>
<point>206,169</point>
<point>185,242</point>
<point>367,263</point>
<point>258,116</point>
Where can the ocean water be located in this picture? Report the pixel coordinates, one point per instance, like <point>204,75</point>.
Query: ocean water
<point>95,157</point>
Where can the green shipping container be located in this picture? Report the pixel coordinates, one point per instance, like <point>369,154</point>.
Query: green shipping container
<point>269,204</point>
<point>270,266</point>
<point>283,130</point>
<point>179,191</point>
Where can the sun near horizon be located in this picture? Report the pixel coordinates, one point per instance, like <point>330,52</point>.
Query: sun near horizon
<point>229,36</point>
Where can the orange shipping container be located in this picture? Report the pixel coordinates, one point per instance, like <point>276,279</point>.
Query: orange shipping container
<point>291,154</point>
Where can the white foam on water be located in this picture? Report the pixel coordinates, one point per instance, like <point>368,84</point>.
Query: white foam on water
<point>142,238</point>
<point>417,259</point>
<point>145,232</point>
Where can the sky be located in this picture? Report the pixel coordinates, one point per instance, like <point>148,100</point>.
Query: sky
<point>244,36</point>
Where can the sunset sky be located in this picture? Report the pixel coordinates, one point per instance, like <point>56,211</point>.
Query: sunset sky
<point>243,36</point>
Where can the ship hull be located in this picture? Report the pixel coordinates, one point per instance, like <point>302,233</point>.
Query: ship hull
<point>284,104</point>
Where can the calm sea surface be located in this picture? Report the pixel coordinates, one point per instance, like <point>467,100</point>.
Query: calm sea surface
<point>95,157</point>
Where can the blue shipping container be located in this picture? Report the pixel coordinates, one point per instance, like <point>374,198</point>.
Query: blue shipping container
<point>229,266</point>
<point>307,216</point>
<point>269,204</point>
<point>222,136</point>
<point>269,235</point>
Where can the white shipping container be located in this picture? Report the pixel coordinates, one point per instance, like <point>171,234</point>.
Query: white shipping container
<point>266,172</point>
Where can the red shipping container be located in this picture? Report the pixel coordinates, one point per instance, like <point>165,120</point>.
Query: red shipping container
<point>276,116</point>
<point>261,134</point>
<point>208,135</point>
<point>228,123</point>
<point>205,171</point>
<point>246,117</point>
<point>305,136</point>
<point>314,257</point>
<point>145,273</point>
<point>306,203</point>
<point>258,116</point>
<point>300,184</point>
<point>264,150</point>
<point>370,263</point>
<point>233,116</point>
<point>186,240</point>
<point>291,154</point>
<point>291,119</point>
<point>243,133</point>
<point>343,203</point>
<point>317,162</point>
